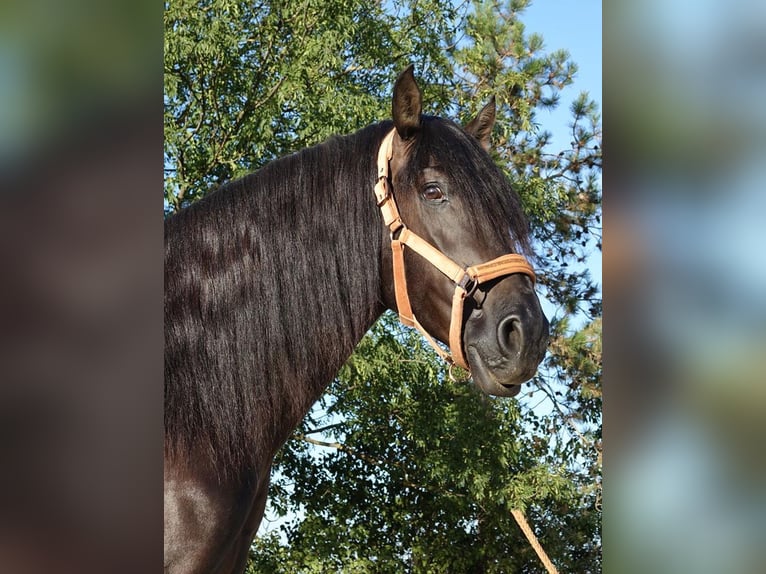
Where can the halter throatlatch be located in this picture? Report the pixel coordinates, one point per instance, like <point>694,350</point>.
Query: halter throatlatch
<point>466,280</point>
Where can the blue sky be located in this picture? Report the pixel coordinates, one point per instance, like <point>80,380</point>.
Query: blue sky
<point>574,26</point>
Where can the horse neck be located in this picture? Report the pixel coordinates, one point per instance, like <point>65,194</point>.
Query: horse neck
<point>270,283</point>
<point>327,278</point>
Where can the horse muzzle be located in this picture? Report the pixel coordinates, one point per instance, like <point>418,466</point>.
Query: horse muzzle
<point>506,338</point>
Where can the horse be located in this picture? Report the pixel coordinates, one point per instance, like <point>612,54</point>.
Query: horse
<point>272,280</point>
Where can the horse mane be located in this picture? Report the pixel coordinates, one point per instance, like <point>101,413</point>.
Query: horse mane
<point>271,280</point>
<point>268,287</point>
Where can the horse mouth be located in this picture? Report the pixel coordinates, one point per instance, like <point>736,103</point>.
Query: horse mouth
<point>495,376</point>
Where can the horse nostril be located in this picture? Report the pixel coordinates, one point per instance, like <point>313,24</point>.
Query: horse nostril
<point>510,335</point>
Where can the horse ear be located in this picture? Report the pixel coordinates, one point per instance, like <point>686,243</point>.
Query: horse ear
<point>407,104</point>
<point>481,126</point>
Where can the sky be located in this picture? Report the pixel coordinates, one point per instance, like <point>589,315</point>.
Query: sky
<point>574,26</point>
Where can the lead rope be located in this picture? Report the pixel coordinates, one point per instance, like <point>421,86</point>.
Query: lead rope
<point>533,541</point>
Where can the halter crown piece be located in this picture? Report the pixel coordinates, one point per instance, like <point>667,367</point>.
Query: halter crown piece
<point>466,280</point>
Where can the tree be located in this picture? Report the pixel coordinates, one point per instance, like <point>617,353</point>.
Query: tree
<point>399,468</point>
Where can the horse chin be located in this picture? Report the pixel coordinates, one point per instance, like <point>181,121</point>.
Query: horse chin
<point>496,375</point>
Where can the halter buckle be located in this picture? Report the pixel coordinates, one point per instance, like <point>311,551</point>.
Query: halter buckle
<point>396,228</point>
<point>468,284</point>
<point>382,190</point>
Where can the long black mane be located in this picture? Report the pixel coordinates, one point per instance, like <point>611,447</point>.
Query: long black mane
<point>271,280</point>
<point>268,283</point>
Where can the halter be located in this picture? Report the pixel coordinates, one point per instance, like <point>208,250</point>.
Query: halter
<point>466,280</point>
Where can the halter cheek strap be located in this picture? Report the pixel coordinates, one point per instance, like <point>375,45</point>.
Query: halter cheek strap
<point>466,280</point>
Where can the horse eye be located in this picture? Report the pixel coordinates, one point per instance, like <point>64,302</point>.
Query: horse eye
<point>433,193</point>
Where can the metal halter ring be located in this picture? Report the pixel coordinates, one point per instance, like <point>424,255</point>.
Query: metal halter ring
<point>451,374</point>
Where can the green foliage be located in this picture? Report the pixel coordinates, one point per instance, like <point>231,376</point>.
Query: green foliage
<point>248,82</point>
<point>399,468</point>
<point>417,472</point>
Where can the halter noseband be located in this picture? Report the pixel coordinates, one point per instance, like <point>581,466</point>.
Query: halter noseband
<point>466,280</point>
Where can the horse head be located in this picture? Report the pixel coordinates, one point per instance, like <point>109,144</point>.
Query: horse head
<point>456,268</point>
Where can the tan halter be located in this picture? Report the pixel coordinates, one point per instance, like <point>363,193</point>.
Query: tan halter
<point>466,280</point>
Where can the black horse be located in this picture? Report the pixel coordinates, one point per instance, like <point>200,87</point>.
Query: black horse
<point>272,280</point>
